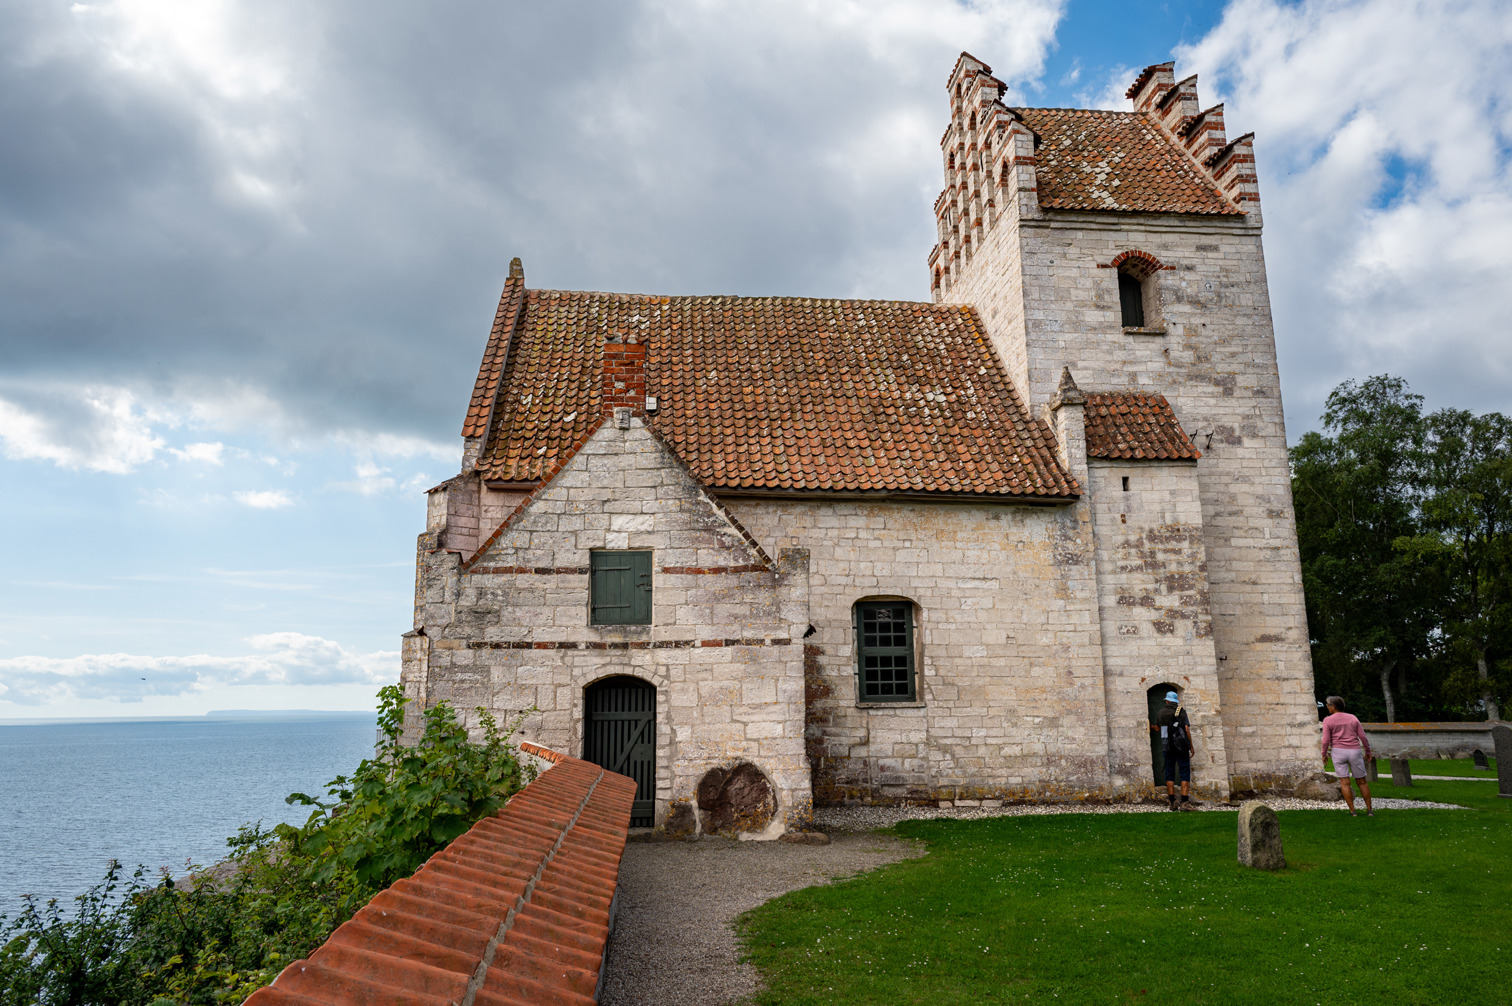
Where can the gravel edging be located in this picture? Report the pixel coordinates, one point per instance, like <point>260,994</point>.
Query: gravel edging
<point>862,818</point>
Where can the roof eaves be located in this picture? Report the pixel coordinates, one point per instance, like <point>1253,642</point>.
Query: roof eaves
<point>546,478</point>
<point>479,420</point>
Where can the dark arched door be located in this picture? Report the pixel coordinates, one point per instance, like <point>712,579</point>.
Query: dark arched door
<point>619,734</point>
<point>1156,696</point>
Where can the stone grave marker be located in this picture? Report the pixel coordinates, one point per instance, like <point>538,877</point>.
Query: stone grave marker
<point>1502,735</point>
<point>1480,759</point>
<point>1401,772</point>
<point>1260,837</point>
<point>1373,770</point>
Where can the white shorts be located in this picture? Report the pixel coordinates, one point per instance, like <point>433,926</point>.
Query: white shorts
<point>1349,761</point>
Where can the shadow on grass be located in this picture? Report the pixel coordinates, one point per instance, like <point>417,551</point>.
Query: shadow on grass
<point>1408,907</point>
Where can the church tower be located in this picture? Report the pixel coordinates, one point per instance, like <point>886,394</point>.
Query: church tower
<point>1122,249</point>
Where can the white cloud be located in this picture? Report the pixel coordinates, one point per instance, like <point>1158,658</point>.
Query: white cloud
<point>1384,140</point>
<point>279,658</point>
<point>264,499</point>
<point>100,429</point>
<point>206,453</point>
<point>371,480</point>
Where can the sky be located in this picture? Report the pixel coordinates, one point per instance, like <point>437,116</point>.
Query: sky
<point>250,251</point>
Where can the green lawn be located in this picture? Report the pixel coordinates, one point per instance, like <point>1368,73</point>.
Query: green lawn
<point>1411,906</point>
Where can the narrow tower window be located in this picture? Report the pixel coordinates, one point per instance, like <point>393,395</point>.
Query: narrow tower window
<point>1131,301</point>
<point>1126,483</point>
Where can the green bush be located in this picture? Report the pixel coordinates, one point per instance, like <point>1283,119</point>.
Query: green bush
<point>279,893</point>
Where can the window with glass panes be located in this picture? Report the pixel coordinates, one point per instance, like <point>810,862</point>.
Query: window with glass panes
<point>884,651</point>
<point>619,588</point>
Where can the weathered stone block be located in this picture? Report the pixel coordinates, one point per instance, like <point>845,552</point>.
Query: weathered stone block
<point>1260,837</point>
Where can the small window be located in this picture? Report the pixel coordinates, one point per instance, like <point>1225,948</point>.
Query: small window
<point>619,588</point>
<point>1126,483</point>
<point>1131,301</point>
<point>884,651</point>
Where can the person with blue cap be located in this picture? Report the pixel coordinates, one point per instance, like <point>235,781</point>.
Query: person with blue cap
<point>1176,746</point>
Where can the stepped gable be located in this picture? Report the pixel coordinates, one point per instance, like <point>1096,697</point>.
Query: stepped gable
<point>1088,159</point>
<point>1127,424</point>
<point>514,912</point>
<point>777,394</point>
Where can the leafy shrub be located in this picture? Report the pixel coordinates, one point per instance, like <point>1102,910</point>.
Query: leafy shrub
<point>279,894</point>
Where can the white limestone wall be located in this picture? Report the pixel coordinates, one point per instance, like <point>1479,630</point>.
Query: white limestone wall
<point>1216,363</point>
<point>724,649</point>
<point>1155,611</point>
<point>1011,694</point>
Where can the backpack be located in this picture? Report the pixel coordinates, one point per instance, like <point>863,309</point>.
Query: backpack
<point>1173,732</point>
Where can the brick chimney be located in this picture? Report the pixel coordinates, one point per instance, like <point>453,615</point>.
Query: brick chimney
<point>624,375</point>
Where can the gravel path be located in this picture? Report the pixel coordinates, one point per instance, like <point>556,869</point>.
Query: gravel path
<point>672,942</point>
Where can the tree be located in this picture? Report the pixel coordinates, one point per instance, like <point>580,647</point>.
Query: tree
<point>1368,602</point>
<point>1465,486</point>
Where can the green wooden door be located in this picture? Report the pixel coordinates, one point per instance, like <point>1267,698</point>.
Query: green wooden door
<point>619,734</point>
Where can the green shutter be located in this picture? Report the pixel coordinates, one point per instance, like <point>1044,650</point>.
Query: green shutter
<point>885,651</point>
<point>619,589</point>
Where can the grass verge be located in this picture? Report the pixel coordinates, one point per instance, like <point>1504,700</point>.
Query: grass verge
<point>1408,907</point>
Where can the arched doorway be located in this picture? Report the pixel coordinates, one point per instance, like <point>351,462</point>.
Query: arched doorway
<point>1156,697</point>
<point>619,734</point>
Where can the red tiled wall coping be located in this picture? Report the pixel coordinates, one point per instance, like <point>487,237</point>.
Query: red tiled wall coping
<point>515,912</point>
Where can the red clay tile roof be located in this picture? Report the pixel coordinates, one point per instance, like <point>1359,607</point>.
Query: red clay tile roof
<point>520,903</point>
<point>480,408</point>
<point>1125,424</point>
<point>780,393</point>
<point>1095,160</point>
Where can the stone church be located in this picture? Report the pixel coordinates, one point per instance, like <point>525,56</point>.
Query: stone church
<point>766,552</point>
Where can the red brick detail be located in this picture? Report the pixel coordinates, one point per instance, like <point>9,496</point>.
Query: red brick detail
<point>711,570</point>
<point>530,570</point>
<point>515,911</point>
<point>1136,263</point>
<point>1126,424</point>
<point>619,644</point>
<point>1144,77</point>
<point>623,378</point>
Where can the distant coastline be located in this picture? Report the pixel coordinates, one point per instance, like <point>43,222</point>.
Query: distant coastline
<point>214,714</point>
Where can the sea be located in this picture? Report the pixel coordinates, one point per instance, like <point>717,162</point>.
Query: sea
<point>160,793</point>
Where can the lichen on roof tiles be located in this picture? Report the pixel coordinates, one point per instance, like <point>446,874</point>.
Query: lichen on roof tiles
<point>1131,425</point>
<point>780,393</point>
<point>1088,159</point>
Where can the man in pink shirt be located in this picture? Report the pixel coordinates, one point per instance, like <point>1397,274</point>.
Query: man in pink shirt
<point>1343,735</point>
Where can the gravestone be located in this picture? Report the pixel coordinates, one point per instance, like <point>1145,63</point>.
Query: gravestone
<point>1401,772</point>
<point>1480,759</point>
<point>1373,770</point>
<point>1502,735</point>
<point>1260,837</point>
